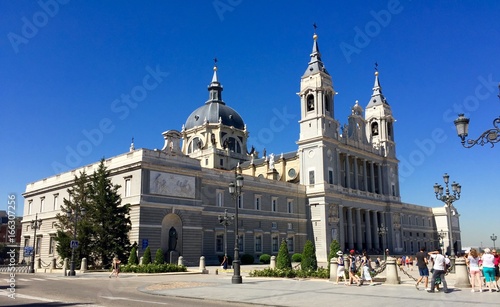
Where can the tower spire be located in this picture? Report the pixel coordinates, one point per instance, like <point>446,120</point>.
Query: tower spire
<point>315,63</point>
<point>215,88</point>
<point>377,96</point>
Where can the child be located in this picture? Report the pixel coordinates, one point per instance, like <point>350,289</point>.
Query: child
<point>116,267</point>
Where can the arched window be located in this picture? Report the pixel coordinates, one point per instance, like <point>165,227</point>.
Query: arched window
<point>195,144</point>
<point>310,102</point>
<point>233,144</point>
<point>374,128</point>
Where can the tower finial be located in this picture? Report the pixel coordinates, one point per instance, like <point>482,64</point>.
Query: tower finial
<point>132,147</point>
<point>315,36</point>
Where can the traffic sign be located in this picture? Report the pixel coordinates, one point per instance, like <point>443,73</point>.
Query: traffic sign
<point>145,243</point>
<point>73,244</point>
<point>28,250</point>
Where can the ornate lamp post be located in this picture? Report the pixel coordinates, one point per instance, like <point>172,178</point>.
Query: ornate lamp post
<point>441,235</point>
<point>77,214</point>
<point>491,136</point>
<point>448,199</point>
<point>382,232</point>
<point>226,221</point>
<point>235,191</point>
<point>35,224</point>
<point>493,238</point>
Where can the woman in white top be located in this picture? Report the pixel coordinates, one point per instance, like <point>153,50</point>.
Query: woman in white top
<point>475,273</point>
<point>489,269</point>
<point>341,267</point>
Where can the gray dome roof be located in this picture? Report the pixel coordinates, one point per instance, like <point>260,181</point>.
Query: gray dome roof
<point>212,111</point>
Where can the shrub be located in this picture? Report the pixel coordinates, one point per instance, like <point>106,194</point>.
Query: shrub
<point>334,248</point>
<point>265,258</point>
<point>297,257</point>
<point>132,259</point>
<point>159,257</point>
<point>283,262</point>
<point>309,261</point>
<point>153,268</point>
<point>247,259</point>
<point>146,258</point>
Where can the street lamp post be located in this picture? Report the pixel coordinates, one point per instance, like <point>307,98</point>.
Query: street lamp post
<point>491,136</point>
<point>448,199</point>
<point>382,232</point>
<point>74,244</point>
<point>225,220</point>
<point>35,224</point>
<point>235,191</point>
<point>441,235</point>
<point>493,238</point>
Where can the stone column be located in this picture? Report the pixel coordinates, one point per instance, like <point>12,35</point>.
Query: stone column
<point>272,265</point>
<point>341,228</point>
<point>355,162</point>
<point>365,178</point>
<point>347,172</point>
<point>202,267</point>
<point>462,276</point>
<point>368,226</point>
<point>333,269</point>
<point>337,167</point>
<point>391,271</point>
<point>350,235</point>
<point>375,225</point>
<point>380,187</point>
<point>372,179</point>
<point>83,265</point>
<point>359,230</point>
<point>382,221</point>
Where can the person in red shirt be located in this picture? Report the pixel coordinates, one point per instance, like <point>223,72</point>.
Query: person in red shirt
<point>496,262</point>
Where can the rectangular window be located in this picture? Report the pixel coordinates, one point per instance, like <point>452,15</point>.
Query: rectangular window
<point>240,201</point>
<point>26,242</point>
<point>290,226</point>
<point>206,161</point>
<point>220,198</point>
<point>240,244</point>
<point>258,244</point>
<point>275,244</point>
<point>219,243</point>
<point>128,182</point>
<point>52,245</point>
<point>330,176</point>
<point>30,206</point>
<point>38,245</point>
<point>274,225</point>
<point>289,243</point>
<point>56,202</point>
<point>274,204</point>
<point>42,204</point>
<point>311,177</point>
<point>289,206</point>
<point>221,162</point>
<point>257,202</point>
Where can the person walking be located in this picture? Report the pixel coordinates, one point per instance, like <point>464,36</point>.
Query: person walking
<point>365,275</point>
<point>341,267</point>
<point>473,266</point>
<point>423,270</point>
<point>496,262</point>
<point>353,270</point>
<point>224,263</point>
<point>439,270</point>
<point>116,267</point>
<point>489,269</point>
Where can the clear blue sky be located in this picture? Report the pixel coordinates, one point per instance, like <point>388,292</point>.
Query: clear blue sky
<point>65,69</point>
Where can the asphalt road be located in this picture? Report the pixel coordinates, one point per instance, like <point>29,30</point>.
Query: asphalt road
<point>91,290</point>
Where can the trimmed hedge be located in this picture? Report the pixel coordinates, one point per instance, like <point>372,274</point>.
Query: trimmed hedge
<point>297,257</point>
<point>290,273</point>
<point>247,259</point>
<point>153,268</point>
<point>265,258</point>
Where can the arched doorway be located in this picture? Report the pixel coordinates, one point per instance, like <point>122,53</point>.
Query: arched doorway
<point>171,236</point>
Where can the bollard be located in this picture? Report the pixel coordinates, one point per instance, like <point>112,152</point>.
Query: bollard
<point>39,263</point>
<point>140,261</point>
<point>65,266</point>
<point>333,269</point>
<point>391,271</point>
<point>83,266</point>
<point>180,261</point>
<point>462,276</point>
<point>272,264</point>
<point>203,269</point>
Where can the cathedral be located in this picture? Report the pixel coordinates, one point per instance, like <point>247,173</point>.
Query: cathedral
<point>340,184</point>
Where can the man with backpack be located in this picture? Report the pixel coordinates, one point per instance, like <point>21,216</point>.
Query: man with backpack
<point>439,269</point>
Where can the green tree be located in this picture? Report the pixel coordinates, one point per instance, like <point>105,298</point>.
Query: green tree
<point>159,258</point>
<point>111,222</point>
<point>132,259</point>
<point>74,216</point>
<point>309,261</point>
<point>146,258</point>
<point>334,248</point>
<point>284,260</point>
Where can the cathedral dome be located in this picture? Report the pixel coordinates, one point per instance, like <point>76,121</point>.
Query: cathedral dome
<point>213,112</point>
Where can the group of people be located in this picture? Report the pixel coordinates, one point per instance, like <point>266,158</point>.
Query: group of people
<point>356,262</point>
<point>483,269</point>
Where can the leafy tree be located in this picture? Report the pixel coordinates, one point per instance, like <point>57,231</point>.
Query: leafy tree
<point>309,261</point>
<point>132,259</point>
<point>146,258</point>
<point>111,222</point>
<point>334,248</point>
<point>283,261</point>
<point>74,215</point>
<point>159,257</point>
